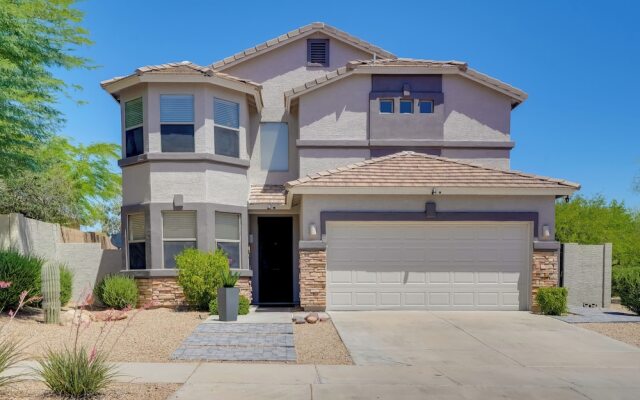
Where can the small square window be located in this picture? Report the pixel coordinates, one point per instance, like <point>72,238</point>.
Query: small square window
<point>386,106</point>
<point>426,106</point>
<point>406,106</point>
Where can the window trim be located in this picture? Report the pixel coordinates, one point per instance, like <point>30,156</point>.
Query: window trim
<point>195,240</point>
<point>216,125</point>
<point>393,105</point>
<point>326,59</point>
<point>406,101</point>
<point>130,240</point>
<point>433,106</point>
<point>239,240</point>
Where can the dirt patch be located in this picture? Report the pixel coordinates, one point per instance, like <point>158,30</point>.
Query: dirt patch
<point>32,390</point>
<point>320,344</point>
<point>628,332</point>
<point>150,336</point>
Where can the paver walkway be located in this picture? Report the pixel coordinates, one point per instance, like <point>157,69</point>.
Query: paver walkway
<point>581,315</point>
<point>259,336</point>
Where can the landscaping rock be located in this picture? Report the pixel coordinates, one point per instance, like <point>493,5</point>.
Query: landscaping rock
<point>299,320</point>
<point>312,318</point>
<point>324,316</point>
<point>76,317</point>
<point>110,315</point>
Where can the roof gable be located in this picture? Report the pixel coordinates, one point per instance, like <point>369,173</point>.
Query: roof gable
<point>298,34</point>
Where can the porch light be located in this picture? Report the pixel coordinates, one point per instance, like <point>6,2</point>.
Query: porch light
<point>313,232</point>
<point>546,233</point>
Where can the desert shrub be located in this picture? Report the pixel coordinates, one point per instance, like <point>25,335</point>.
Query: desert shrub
<point>628,287</point>
<point>23,271</point>
<point>75,373</point>
<point>200,275</point>
<point>66,284</point>
<point>243,306</point>
<point>618,274</point>
<point>552,300</point>
<point>117,291</point>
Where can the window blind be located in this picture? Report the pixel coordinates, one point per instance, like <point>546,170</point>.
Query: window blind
<point>227,226</point>
<point>176,108</point>
<point>133,113</point>
<point>179,225</point>
<point>226,113</point>
<point>136,227</point>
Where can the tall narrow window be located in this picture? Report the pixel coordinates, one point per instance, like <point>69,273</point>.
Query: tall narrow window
<point>318,52</point>
<point>274,146</point>
<point>133,120</point>
<point>178,233</point>
<point>176,123</point>
<point>228,236</point>
<point>136,241</point>
<point>226,122</point>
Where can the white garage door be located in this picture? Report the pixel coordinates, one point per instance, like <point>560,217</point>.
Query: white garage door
<point>427,265</point>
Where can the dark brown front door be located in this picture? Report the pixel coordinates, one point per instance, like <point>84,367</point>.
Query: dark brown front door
<point>275,254</point>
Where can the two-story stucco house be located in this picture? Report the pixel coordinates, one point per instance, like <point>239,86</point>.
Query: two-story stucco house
<point>335,175</point>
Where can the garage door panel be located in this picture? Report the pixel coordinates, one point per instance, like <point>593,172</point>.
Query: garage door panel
<point>427,265</point>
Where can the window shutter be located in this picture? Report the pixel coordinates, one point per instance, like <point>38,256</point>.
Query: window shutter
<point>226,113</point>
<point>133,113</point>
<point>227,226</point>
<point>136,227</point>
<point>179,225</point>
<point>318,51</point>
<point>176,108</point>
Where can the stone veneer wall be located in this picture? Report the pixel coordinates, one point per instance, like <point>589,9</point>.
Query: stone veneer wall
<point>313,279</point>
<point>165,291</point>
<point>544,272</point>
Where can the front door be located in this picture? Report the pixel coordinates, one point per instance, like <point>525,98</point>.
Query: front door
<point>275,254</point>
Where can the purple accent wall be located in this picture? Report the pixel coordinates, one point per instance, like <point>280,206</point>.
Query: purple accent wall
<point>417,83</point>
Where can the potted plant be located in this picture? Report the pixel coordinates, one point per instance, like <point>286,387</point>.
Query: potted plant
<point>228,296</point>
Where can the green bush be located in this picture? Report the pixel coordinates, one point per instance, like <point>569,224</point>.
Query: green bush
<point>552,300</point>
<point>243,306</point>
<point>23,272</point>
<point>618,274</point>
<point>117,291</point>
<point>76,373</point>
<point>200,275</point>
<point>628,287</point>
<point>66,285</point>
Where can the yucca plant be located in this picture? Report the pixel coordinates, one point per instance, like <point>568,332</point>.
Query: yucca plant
<point>229,278</point>
<point>75,373</point>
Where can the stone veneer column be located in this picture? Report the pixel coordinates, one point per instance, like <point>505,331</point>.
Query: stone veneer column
<point>244,283</point>
<point>313,279</point>
<point>544,272</point>
<point>160,292</point>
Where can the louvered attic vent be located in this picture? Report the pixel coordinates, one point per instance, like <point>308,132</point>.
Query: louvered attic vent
<point>318,52</point>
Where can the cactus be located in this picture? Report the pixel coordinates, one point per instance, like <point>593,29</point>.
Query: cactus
<point>51,293</point>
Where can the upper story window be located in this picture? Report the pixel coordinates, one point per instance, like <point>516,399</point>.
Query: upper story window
<point>133,120</point>
<point>425,106</point>
<point>318,52</point>
<point>178,233</point>
<point>136,245</point>
<point>228,236</point>
<point>406,106</point>
<point>386,106</point>
<point>274,146</point>
<point>176,123</point>
<point>226,122</point>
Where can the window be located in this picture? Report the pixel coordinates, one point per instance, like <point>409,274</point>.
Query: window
<point>136,241</point>
<point>318,52</point>
<point>426,106</point>
<point>228,236</point>
<point>386,106</point>
<point>274,146</point>
<point>178,233</point>
<point>176,119</point>
<point>226,122</point>
<point>133,119</point>
<point>406,106</point>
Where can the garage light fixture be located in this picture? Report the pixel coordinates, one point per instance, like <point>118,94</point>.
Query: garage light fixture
<point>313,232</point>
<point>546,232</point>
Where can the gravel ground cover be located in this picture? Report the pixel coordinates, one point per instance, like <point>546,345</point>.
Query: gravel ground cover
<point>628,332</point>
<point>150,336</point>
<point>320,343</point>
<point>32,390</point>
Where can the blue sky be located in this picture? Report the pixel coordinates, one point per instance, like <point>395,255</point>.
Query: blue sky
<point>578,62</point>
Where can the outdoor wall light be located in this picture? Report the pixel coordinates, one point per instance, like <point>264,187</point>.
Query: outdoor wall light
<point>251,238</point>
<point>546,233</point>
<point>313,232</point>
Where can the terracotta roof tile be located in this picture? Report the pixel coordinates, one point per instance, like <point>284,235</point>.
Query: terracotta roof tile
<point>410,169</point>
<point>268,194</point>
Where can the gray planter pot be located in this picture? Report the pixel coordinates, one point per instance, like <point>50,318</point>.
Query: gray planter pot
<point>228,299</point>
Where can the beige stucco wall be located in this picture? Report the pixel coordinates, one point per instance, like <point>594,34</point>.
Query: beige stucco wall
<point>136,187</point>
<point>312,205</point>
<point>488,157</point>
<point>321,159</point>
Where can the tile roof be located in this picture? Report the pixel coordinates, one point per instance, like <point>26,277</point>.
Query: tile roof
<point>180,68</point>
<point>410,169</point>
<point>458,67</point>
<point>295,34</point>
<point>268,194</point>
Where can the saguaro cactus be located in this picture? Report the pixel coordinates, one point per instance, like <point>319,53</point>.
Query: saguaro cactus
<point>51,293</point>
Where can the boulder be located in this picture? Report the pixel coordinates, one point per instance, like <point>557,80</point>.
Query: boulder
<point>76,317</point>
<point>312,318</point>
<point>299,320</point>
<point>110,315</point>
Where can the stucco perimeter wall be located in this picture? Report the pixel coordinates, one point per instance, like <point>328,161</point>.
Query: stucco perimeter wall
<point>586,273</point>
<point>313,205</point>
<point>474,112</point>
